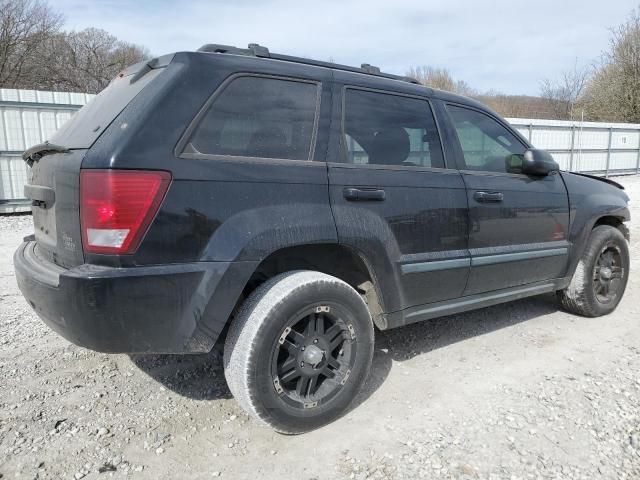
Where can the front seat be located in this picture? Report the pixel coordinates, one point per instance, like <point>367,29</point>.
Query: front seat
<point>390,147</point>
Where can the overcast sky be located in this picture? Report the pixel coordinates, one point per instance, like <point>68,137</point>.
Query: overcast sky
<point>506,45</point>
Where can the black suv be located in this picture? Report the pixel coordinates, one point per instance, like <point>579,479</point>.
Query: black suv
<point>288,206</point>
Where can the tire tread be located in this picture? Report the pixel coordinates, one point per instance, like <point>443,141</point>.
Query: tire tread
<point>575,298</point>
<point>245,334</point>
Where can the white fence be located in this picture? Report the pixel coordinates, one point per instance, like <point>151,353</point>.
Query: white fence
<point>600,148</point>
<point>28,117</point>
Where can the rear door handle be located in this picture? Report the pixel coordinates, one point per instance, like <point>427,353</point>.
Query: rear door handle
<point>488,197</point>
<point>359,194</point>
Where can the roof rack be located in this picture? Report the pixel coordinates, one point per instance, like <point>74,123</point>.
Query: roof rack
<point>255,50</point>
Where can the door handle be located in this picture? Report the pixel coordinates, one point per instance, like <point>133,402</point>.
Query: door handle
<point>488,197</point>
<point>358,194</point>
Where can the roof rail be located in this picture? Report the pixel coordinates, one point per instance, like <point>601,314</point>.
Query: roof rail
<point>255,50</point>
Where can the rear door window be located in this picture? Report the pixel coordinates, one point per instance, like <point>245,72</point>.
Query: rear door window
<point>259,117</point>
<point>387,129</point>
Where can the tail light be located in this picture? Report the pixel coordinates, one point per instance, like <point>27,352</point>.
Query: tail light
<point>117,206</point>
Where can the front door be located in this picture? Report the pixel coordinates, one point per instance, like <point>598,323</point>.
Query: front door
<point>393,199</point>
<point>518,223</point>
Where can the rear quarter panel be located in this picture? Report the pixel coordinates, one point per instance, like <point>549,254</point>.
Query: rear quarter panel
<point>228,212</point>
<point>224,209</point>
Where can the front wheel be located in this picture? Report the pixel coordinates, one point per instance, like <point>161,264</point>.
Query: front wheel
<point>601,276</point>
<point>299,350</point>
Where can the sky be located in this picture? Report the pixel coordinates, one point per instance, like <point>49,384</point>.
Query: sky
<point>504,45</point>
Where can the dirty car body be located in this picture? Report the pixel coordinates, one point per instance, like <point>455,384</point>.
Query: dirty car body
<point>419,238</point>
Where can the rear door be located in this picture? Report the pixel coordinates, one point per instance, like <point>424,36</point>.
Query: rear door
<point>518,223</point>
<point>393,198</point>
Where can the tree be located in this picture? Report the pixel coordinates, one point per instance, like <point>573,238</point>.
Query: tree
<point>561,95</point>
<point>25,26</point>
<point>87,61</point>
<point>613,94</point>
<point>439,78</point>
<point>36,54</point>
<point>518,106</point>
<point>506,105</point>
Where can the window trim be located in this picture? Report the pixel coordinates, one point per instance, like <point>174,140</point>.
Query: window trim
<point>179,150</point>
<point>501,122</point>
<point>342,146</point>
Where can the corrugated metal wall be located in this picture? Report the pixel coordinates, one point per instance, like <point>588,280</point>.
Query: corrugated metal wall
<point>28,117</point>
<point>601,148</point>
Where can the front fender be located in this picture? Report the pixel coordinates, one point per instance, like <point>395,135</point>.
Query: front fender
<point>590,200</point>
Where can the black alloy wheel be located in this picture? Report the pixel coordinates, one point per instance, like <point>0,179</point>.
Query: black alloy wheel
<point>313,357</point>
<point>601,276</point>
<point>608,274</point>
<point>299,350</point>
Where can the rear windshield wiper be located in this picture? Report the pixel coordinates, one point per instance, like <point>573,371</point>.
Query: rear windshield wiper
<point>36,152</point>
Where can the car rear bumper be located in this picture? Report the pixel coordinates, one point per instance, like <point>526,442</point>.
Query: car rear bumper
<point>177,308</point>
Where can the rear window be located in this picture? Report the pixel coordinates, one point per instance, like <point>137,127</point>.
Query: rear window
<point>259,117</point>
<point>88,123</point>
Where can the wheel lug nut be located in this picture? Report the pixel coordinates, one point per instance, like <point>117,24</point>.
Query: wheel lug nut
<point>315,341</point>
<point>303,349</point>
<point>302,364</point>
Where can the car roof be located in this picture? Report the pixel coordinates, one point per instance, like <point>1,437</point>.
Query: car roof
<point>372,73</point>
<point>255,50</point>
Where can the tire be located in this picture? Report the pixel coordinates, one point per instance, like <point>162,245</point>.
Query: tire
<point>283,337</point>
<point>606,255</point>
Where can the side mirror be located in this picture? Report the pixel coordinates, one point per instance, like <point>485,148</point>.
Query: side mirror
<point>538,162</point>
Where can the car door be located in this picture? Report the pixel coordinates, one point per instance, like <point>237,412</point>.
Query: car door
<point>517,223</point>
<point>393,199</point>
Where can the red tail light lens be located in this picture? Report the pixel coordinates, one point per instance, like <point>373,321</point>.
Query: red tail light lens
<point>117,206</point>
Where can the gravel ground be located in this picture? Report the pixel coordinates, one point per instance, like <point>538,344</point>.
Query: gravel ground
<point>520,390</point>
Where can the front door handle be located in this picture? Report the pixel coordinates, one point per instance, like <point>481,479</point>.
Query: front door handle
<point>488,197</point>
<point>358,194</point>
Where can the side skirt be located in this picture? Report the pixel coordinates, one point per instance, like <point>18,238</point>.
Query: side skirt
<point>471,302</point>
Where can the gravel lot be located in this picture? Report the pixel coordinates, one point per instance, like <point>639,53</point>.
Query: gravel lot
<point>520,390</point>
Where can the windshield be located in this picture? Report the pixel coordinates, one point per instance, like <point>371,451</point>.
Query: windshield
<point>88,123</point>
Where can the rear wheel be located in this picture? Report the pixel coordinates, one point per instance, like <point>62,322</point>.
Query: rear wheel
<point>299,350</point>
<point>601,277</point>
